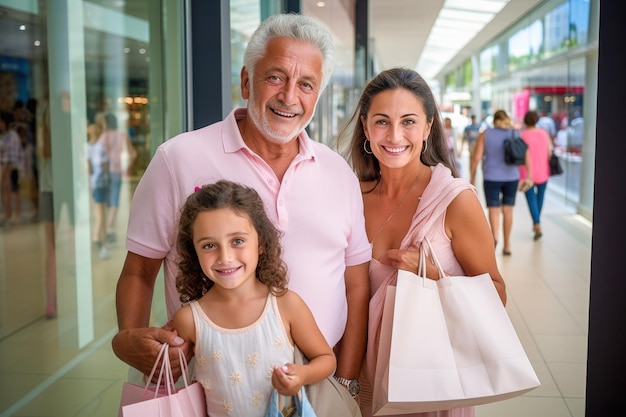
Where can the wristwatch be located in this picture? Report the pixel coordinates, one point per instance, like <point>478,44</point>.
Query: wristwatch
<point>352,384</point>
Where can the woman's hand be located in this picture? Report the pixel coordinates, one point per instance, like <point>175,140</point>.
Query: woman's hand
<point>525,185</point>
<point>409,260</point>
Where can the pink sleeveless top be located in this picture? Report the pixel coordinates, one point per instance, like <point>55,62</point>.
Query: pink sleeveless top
<point>428,220</point>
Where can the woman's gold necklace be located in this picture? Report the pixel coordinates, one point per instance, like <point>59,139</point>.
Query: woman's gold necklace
<point>395,210</point>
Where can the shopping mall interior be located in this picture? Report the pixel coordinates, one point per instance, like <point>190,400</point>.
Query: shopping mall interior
<point>72,63</point>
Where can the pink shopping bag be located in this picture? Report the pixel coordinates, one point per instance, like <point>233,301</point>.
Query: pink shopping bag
<point>163,400</point>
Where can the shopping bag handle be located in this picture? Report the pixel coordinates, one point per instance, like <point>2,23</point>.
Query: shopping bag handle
<point>184,366</point>
<point>156,362</point>
<point>165,372</point>
<point>168,369</point>
<point>421,269</point>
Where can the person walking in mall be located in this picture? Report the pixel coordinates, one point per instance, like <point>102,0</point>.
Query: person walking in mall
<point>310,193</point>
<point>450,133</point>
<point>547,123</point>
<point>470,136</point>
<point>500,180</point>
<point>11,160</point>
<point>539,150</point>
<point>117,144</point>
<point>99,182</point>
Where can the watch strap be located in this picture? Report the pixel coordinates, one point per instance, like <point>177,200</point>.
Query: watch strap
<point>343,381</point>
<point>352,385</point>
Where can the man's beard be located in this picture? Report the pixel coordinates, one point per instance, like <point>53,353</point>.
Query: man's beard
<point>264,127</point>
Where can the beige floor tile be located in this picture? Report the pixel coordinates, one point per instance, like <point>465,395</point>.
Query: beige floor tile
<point>101,364</point>
<point>563,348</point>
<point>66,397</point>
<point>570,378</point>
<point>105,404</point>
<point>548,387</point>
<point>557,321</point>
<point>16,386</point>
<point>576,406</point>
<point>525,406</point>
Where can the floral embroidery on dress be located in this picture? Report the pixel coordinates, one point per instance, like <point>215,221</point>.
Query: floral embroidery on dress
<point>235,377</point>
<point>252,359</point>
<point>279,343</point>
<point>257,399</point>
<point>201,360</point>
<point>227,407</point>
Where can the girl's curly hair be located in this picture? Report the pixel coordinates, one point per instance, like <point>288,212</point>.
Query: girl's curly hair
<point>271,270</point>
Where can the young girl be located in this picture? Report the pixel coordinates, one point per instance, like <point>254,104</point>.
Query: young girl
<point>242,320</point>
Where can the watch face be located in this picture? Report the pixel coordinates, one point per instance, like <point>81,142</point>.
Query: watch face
<point>354,387</point>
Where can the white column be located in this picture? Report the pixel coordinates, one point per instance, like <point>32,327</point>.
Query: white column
<point>71,188</point>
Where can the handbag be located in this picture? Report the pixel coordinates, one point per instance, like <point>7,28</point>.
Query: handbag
<point>302,406</point>
<point>163,400</point>
<point>328,397</point>
<point>555,165</point>
<point>515,149</point>
<point>446,344</point>
<point>103,180</point>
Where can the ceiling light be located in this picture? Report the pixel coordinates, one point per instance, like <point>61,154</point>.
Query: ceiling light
<point>22,27</point>
<point>458,23</point>
<point>321,4</point>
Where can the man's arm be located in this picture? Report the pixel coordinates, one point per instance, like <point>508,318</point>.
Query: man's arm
<point>351,348</point>
<point>136,343</point>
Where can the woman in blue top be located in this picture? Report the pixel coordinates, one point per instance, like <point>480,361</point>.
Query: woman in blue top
<point>500,180</point>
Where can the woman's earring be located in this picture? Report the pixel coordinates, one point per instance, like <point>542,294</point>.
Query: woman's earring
<point>425,146</point>
<point>365,147</point>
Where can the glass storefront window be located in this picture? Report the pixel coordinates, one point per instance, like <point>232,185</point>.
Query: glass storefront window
<point>83,82</point>
<point>567,26</point>
<point>245,16</point>
<point>526,46</point>
<point>488,67</point>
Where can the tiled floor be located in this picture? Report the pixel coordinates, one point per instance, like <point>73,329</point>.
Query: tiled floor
<point>44,373</point>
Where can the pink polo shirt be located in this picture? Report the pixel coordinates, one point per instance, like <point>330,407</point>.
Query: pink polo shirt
<point>318,207</point>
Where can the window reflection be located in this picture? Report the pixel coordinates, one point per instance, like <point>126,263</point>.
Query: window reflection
<point>68,72</point>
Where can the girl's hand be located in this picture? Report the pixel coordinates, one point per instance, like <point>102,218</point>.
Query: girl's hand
<point>285,379</point>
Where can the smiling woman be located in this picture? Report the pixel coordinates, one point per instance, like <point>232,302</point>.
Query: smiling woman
<point>399,152</point>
